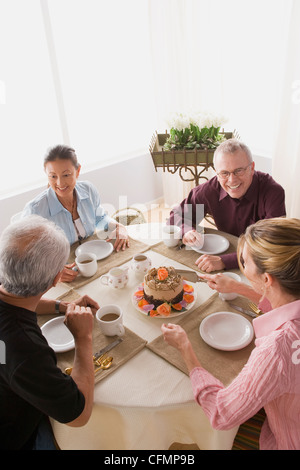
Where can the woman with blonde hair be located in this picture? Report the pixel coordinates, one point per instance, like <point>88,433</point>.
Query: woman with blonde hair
<point>269,255</point>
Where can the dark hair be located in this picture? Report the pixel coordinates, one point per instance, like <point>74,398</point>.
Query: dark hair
<point>61,152</point>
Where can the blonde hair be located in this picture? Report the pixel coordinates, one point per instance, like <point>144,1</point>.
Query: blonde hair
<point>274,246</point>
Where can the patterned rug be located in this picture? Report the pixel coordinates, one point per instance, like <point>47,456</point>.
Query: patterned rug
<point>247,437</point>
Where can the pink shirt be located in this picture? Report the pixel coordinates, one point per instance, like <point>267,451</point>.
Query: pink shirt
<point>270,379</point>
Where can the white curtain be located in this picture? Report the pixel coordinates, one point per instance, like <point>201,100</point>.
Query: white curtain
<point>223,57</point>
<point>286,161</point>
<point>75,72</point>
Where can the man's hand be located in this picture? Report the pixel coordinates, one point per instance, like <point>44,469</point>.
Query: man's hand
<point>193,238</point>
<point>80,322</point>
<point>86,301</point>
<point>209,263</point>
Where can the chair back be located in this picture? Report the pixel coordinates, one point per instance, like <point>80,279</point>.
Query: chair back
<point>129,216</point>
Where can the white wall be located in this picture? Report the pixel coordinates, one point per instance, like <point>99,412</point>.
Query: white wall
<point>126,183</point>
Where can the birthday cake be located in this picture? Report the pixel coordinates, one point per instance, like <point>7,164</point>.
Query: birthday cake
<point>163,285</point>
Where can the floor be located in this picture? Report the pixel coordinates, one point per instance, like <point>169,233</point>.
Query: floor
<point>157,214</point>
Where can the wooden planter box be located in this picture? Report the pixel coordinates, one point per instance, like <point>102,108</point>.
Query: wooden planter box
<point>165,159</point>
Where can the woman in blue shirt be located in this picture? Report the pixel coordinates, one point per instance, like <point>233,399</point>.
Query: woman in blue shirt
<point>73,205</point>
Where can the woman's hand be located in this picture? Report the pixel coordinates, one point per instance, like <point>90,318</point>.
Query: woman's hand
<point>221,283</point>
<point>68,274</point>
<point>121,236</point>
<point>174,335</point>
<point>224,284</point>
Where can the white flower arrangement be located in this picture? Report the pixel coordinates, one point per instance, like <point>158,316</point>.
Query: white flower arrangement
<point>195,130</point>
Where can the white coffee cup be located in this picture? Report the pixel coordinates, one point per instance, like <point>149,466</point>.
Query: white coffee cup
<point>110,318</point>
<point>140,264</point>
<point>171,235</point>
<point>230,295</point>
<point>116,277</point>
<point>87,264</point>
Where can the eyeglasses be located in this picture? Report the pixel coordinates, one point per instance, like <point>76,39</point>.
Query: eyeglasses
<point>224,175</point>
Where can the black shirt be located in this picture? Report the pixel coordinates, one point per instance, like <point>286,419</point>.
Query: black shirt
<point>31,384</point>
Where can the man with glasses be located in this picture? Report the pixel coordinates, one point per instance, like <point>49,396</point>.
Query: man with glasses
<point>236,197</point>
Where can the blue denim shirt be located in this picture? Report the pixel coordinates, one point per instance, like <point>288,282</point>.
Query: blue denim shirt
<point>90,211</point>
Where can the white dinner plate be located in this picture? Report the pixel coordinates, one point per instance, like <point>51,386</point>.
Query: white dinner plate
<point>226,331</point>
<point>59,337</point>
<point>174,313</point>
<point>100,248</point>
<point>213,245</point>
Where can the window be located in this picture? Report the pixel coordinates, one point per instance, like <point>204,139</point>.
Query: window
<point>28,117</point>
<point>102,75</point>
<point>86,60</point>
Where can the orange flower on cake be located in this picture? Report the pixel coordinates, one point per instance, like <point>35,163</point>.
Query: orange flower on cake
<point>162,274</point>
<point>164,309</point>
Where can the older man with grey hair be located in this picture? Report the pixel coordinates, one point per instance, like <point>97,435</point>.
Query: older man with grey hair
<point>33,253</point>
<point>236,197</point>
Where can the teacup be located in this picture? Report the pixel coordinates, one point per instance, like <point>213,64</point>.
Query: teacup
<point>110,318</point>
<point>140,264</point>
<point>87,264</point>
<point>230,295</point>
<point>116,277</point>
<point>171,235</point>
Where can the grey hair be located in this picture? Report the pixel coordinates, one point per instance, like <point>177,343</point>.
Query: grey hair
<point>232,146</point>
<point>33,251</point>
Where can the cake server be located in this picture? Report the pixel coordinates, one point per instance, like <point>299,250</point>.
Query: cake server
<point>243,310</point>
<point>191,276</point>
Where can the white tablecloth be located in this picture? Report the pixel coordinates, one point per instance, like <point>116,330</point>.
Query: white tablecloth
<point>147,403</point>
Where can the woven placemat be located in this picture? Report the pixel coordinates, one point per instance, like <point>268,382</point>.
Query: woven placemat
<point>224,365</point>
<point>188,256</point>
<point>129,347</point>
<point>104,265</point>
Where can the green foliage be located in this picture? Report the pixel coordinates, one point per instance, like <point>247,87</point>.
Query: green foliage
<point>193,137</point>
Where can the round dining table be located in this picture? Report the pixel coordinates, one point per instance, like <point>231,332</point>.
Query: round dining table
<point>147,403</point>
